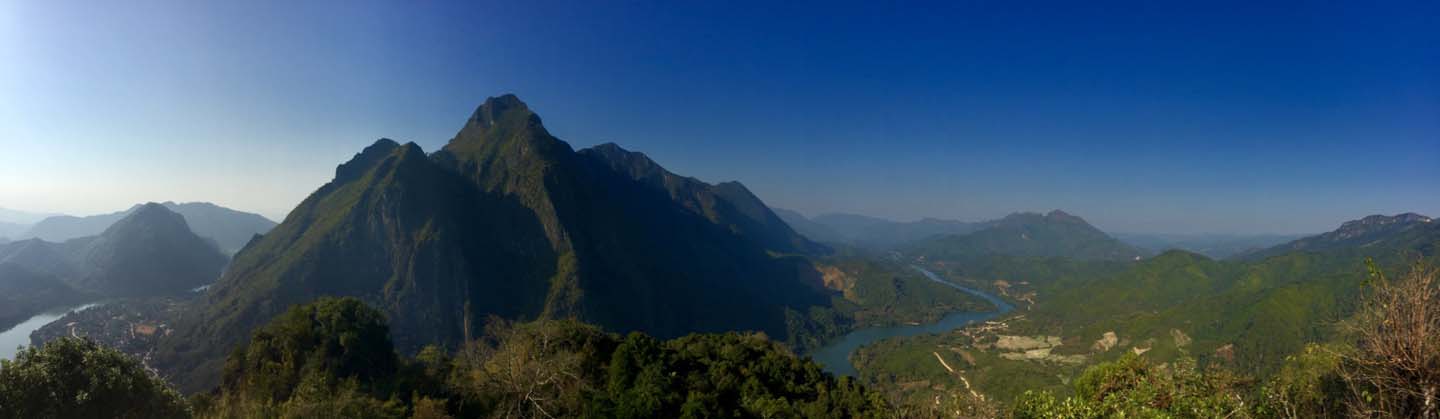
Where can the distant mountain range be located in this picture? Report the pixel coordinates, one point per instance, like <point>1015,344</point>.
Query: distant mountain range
<point>881,234</point>
<point>871,232</point>
<point>1215,246</point>
<point>507,220</point>
<point>1054,234</point>
<point>151,251</point>
<point>230,229</point>
<point>10,230</point>
<point>1405,230</point>
<point>21,217</point>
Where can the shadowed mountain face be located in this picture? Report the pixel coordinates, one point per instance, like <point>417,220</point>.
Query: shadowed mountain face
<point>1056,234</point>
<point>149,252</point>
<point>230,229</point>
<point>728,204</point>
<point>10,230</point>
<point>508,220</point>
<point>24,292</point>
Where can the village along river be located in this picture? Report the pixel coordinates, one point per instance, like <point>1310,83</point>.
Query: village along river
<point>835,357</point>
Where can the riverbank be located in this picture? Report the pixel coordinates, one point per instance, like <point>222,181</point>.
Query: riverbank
<point>18,336</point>
<point>835,356</point>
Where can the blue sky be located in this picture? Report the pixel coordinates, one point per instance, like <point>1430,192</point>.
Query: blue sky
<point>1203,117</point>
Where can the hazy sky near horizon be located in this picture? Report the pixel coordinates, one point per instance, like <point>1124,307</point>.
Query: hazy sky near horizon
<point>1140,117</point>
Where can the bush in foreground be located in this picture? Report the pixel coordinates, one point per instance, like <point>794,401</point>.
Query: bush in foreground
<point>1135,387</point>
<point>75,378</point>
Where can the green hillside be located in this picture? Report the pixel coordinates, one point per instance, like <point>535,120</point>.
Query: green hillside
<point>1242,315</point>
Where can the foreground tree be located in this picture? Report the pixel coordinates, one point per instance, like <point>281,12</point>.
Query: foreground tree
<point>561,368</point>
<point>74,378</point>
<point>1308,385</point>
<point>328,358</point>
<point>1394,369</point>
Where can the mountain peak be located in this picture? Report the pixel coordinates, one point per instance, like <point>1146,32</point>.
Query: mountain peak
<point>1372,223</point>
<point>1378,219</point>
<point>152,217</point>
<point>498,108</point>
<point>362,161</point>
<point>122,260</point>
<point>1374,230</point>
<point>504,128</point>
<point>1031,234</point>
<point>1022,217</point>
<point>1058,215</point>
<point>152,212</point>
<point>151,206</point>
<point>609,147</point>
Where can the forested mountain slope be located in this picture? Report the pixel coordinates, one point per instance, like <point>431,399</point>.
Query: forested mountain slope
<point>507,220</point>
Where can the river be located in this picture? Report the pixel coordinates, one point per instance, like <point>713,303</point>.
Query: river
<point>835,356</point>
<point>11,340</point>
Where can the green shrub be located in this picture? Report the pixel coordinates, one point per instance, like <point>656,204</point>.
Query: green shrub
<point>74,378</point>
<point>1133,387</point>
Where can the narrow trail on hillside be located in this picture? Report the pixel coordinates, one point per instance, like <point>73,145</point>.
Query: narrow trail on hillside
<point>972,391</point>
<point>942,362</point>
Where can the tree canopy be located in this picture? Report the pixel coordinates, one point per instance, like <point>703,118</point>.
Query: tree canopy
<point>76,378</point>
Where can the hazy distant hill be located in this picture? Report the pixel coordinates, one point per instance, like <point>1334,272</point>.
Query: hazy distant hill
<point>10,230</point>
<point>1218,246</point>
<point>151,251</point>
<point>871,232</point>
<point>809,228</point>
<point>22,217</point>
<point>1371,231</point>
<point>508,220</point>
<point>230,229</point>
<point>60,228</point>
<point>1055,234</point>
